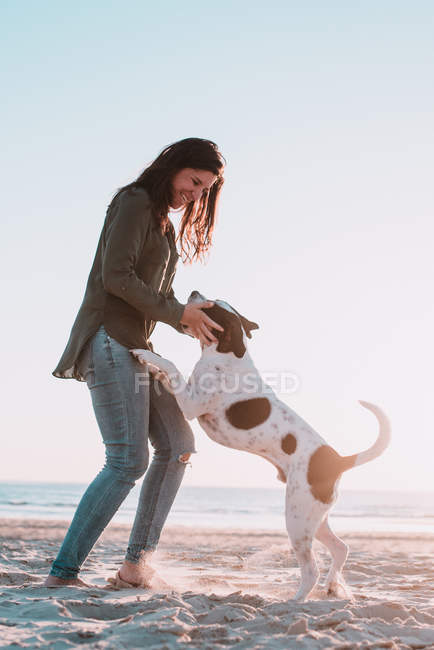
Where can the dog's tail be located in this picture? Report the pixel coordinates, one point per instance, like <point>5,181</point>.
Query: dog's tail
<point>379,445</point>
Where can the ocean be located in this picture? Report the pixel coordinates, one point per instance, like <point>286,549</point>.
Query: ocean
<point>226,507</point>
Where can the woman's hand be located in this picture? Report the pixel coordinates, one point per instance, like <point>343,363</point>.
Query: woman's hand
<point>199,323</point>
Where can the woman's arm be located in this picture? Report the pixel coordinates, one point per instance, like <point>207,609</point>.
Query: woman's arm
<point>124,241</point>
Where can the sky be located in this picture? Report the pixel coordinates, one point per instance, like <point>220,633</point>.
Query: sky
<point>324,113</point>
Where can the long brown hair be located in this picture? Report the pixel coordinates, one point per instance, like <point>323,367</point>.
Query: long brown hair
<point>197,223</point>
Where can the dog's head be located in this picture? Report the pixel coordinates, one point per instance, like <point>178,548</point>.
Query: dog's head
<point>234,324</point>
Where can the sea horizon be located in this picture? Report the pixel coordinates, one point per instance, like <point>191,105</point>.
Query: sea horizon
<point>260,487</point>
<point>231,507</point>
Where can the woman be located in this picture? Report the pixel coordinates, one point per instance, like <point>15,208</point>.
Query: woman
<point>128,291</point>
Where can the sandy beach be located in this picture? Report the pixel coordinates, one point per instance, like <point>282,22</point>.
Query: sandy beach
<point>225,588</point>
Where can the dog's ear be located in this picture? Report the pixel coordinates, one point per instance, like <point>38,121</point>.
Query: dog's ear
<point>248,325</point>
<point>231,339</point>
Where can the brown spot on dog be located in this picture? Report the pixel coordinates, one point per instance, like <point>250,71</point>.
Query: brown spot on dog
<point>249,413</point>
<point>289,443</point>
<point>325,467</point>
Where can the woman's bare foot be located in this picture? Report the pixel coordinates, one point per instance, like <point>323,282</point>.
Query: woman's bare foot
<point>136,574</point>
<point>54,581</point>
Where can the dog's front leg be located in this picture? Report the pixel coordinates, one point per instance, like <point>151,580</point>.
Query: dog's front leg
<point>166,372</point>
<point>161,369</point>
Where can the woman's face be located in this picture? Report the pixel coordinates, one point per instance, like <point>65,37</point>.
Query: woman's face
<point>188,185</point>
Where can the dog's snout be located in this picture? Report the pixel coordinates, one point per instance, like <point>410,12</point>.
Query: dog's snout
<point>195,296</point>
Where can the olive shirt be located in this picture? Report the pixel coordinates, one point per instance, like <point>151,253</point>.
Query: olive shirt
<point>129,285</point>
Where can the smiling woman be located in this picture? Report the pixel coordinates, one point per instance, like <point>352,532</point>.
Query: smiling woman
<point>187,174</point>
<point>189,184</point>
<point>128,291</point>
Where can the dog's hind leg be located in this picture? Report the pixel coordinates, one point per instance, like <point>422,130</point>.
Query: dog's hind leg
<point>301,532</point>
<point>335,583</point>
<point>302,544</point>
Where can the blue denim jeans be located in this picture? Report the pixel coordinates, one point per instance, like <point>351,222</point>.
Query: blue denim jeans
<point>130,407</point>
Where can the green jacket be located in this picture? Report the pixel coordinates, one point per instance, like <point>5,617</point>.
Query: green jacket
<point>129,285</point>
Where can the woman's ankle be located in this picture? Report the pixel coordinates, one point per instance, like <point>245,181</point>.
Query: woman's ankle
<point>136,571</point>
<point>141,562</point>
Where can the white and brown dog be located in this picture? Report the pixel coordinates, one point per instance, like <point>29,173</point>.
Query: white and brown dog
<point>236,409</point>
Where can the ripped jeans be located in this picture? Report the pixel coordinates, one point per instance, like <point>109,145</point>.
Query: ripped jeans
<point>128,412</point>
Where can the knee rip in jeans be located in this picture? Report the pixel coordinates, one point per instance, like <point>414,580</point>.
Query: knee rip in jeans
<point>184,458</point>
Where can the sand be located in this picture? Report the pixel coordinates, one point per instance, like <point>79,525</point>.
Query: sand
<point>226,588</point>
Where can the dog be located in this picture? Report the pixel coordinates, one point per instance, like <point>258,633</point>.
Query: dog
<point>237,409</point>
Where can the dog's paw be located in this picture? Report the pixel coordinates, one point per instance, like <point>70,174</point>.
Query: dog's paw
<point>339,589</point>
<point>159,368</point>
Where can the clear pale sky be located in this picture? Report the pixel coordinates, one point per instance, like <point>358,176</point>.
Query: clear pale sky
<point>324,112</point>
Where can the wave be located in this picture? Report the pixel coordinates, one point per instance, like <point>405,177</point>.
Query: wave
<point>40,504</point>
<point>238,507</point>
<point>382,515</point>
<point>231,511</point>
